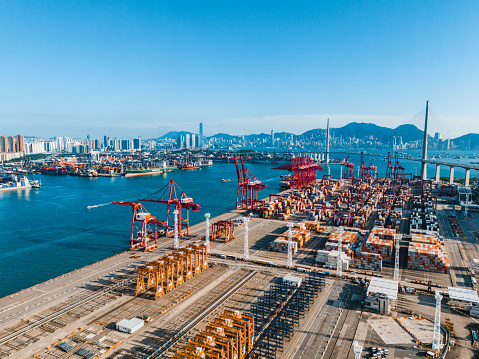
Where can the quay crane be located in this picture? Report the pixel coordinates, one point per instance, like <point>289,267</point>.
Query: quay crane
<point>363,169</point>
<point>389,168</point>
<point>303,171</point>
<point>144,226</point>
<point>348,168</point>
<point>398,169</point>
<point>175,199</point>
<point>248,186</point>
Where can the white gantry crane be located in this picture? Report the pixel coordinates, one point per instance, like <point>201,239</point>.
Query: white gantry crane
<point>436,335</point>
<point>357,349</point>
<point>207,233</point>
<point>246,246</point>
<point>397,238</point>
<point>339,267</point>
<point>177,240</point>
<point>290,245</point>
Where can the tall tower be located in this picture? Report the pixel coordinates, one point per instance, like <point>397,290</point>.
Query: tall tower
<point>207,233</point>
<point>201,135</point>
<point>327,142</point>
<point>397,238</point>
<point>272,138</point>
<point>436,335</point>
<point>424,147</point>
<point>290,245</point>
<point>246,245</point>
<point>339,265</point>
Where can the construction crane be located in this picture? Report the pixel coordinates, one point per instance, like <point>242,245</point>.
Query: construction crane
<point>144,226</point>
<point>248,186</point>
<point>398,169</point>
<point>303,171</point>
<point>175,199</point>
<point>348,168</point>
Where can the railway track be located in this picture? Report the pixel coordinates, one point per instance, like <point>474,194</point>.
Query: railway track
<point>22,331</point>
<point>163,349</point>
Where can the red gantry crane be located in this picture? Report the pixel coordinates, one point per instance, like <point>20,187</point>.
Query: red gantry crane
<point>363,169</point>
<point>248,186</point>
<point>144,226</point>
<point>348,168</point>
<point>175,199</point>
<point>303,171</point>
<point>389,168</point>
<point>398,169</point>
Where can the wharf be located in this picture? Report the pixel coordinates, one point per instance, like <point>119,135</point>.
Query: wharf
<point>96,296</point>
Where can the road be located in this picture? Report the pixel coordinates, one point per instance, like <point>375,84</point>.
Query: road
<point>314,334</point>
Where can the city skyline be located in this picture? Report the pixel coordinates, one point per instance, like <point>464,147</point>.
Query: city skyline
<point>120,68</point>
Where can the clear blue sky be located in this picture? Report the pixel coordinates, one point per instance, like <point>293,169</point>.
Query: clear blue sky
<point>142,68</point>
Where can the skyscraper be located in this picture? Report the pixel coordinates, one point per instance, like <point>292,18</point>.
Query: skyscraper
<point>20,143</point>
<point>12,144</point>
<point>272,138</point>
<point>3,144</point>
<point>137,143</point>
<point>201,135</point>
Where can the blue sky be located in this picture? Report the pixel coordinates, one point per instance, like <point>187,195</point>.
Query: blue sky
<point>130,69</point>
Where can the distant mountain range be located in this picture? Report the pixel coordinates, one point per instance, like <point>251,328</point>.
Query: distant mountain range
<point>408,133</point>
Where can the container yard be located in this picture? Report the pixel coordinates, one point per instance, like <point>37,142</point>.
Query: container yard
<point>253,282</point>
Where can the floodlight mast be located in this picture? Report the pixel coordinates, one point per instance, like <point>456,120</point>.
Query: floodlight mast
<point>246,246</point>
<point>290,245</point>
<point>436,336</point>
<point>339,267</point>
<point>207,233</point>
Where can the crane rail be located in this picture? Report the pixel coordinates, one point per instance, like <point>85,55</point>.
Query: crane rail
<point>62,311</point>
<point>186,329</point>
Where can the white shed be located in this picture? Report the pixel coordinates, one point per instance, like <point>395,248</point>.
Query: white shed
<point>129,326</point>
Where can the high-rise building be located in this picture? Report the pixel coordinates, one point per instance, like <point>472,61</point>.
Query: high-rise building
<point>20,143</point>
<point>187,140</point>
<point>137,143</point>
<point>106,141</point>
<point>180,142</point>
<point>3,144</point>
<point>201,135</point>
<point>272,138</point>
<point>12,144</point>
<point>437,136</point>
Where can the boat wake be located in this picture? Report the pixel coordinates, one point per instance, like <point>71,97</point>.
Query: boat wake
<point>98,205</point>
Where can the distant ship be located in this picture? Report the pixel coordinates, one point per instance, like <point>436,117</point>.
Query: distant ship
<point>149,171</point>
<point>19,183</point>
<point>224,180</point>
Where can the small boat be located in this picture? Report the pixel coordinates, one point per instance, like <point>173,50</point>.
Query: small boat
<point>224,180</point>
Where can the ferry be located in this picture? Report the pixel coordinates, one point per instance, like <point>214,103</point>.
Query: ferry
<point>19,183</point>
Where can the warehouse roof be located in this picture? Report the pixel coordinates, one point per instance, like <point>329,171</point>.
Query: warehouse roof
<point>464,295</point>
<point>129,324</point>
<point>383,286</point>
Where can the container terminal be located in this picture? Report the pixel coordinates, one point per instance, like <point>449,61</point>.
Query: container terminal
<point>354,267</point>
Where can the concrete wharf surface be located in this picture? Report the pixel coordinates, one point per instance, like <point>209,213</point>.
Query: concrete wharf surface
<point>327,331</point>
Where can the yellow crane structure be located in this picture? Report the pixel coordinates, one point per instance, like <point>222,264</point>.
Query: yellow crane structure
<point>229,336</point>
<point>172,270</point>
